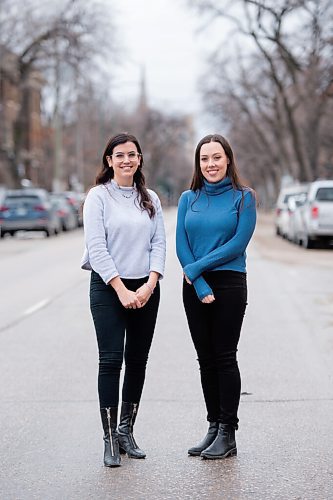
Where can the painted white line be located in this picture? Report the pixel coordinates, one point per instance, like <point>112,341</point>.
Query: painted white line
<point>36,307</point>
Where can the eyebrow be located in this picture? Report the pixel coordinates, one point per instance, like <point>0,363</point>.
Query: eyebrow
<point>122,152</point>
<point>214,154</point>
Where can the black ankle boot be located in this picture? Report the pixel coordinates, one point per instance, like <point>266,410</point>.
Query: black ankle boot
<point>224,444</point>
<point>127,442</point>
<point>111,445</point>
<point>207,440</point>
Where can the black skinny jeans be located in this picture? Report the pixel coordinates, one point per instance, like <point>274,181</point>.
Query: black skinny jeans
<point>215,330</point>
<point>111,322</point>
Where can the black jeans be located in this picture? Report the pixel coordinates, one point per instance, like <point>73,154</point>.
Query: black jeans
<point>215,330</point>
<point>111,322</point>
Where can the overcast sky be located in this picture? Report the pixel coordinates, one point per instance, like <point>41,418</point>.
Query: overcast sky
<point>162,37</point>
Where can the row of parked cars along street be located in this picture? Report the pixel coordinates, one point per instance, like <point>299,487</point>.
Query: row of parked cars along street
<point>34,209</point>
<point>304,213</point>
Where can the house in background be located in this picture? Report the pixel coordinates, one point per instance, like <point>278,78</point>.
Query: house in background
<point>21,151</point>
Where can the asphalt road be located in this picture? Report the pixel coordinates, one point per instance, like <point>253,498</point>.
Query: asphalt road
<point>51,437</point>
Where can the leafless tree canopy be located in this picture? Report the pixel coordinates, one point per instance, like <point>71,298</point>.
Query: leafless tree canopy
<point>272,85</point>
<point>62,44</point>
<point>69,51</point>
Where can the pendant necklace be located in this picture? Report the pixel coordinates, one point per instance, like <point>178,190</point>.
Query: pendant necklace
<point>122,191</point>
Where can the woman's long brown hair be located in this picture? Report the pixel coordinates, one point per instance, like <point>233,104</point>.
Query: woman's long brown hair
<point>232,172</point>
<point>106,173</point>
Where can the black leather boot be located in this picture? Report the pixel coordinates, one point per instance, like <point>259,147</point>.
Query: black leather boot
<point>111,445</point>
<point>127,442</point>
<point>207,440</point>
<point>224,444</point>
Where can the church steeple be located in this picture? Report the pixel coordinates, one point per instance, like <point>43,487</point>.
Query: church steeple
<point>143,103</point>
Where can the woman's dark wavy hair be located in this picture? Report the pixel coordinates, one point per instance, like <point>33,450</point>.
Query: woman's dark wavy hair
<point>232,171</point>
<point>106,173</point>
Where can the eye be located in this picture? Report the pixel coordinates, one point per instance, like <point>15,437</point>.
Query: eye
<point>132,155</point>
<point>119,156</point>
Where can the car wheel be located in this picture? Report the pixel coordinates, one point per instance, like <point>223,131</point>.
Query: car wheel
<point>2,234</point>
<point>307,242</point>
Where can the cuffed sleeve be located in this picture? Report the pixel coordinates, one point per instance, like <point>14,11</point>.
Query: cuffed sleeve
<point>158,242</point>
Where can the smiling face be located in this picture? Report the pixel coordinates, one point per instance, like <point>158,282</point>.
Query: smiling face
<point>213,161</point>
<point>125,161</point>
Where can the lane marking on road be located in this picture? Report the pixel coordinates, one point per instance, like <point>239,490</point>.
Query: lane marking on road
<point>36,307</point>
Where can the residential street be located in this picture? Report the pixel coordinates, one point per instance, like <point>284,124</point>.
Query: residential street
<point>51,440</point>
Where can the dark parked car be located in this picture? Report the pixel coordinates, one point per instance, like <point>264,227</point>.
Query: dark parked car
<point>65,212</point>
<point>28,210</point>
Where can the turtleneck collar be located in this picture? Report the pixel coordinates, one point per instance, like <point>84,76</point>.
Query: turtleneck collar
<point>214,188</point>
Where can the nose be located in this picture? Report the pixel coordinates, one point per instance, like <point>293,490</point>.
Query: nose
<point>211,161</point>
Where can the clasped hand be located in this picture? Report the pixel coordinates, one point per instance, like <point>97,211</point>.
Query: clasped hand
<point>134,300</point>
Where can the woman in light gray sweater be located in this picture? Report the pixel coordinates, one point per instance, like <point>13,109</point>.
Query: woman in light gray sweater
<point>125,252</point>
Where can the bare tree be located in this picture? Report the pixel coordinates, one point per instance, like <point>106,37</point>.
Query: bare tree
<point>59,42</point>
<point>279,84</point>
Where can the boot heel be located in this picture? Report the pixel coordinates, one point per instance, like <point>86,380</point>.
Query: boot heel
<point>233,452</point>
<point>122,451</point>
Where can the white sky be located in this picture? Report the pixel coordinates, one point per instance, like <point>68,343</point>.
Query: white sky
<point>160,35</point>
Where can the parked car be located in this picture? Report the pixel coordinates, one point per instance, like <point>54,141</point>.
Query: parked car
<point>294,216</point>
<point>28,210</point>
<point>316,215</point>
<point>76,200</point>
<point>281,209</point>
<point>64,211</point>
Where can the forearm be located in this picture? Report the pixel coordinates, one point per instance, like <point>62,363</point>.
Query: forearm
<point>152,280</point>
<point>117,284</point>
<point>184,251</point>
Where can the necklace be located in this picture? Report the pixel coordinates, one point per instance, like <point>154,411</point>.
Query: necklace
<point>121,190</point>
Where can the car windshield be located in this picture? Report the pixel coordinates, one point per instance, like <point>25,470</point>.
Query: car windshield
<point>325,194</point>
<point>22,201</point>
<point>287,196</point>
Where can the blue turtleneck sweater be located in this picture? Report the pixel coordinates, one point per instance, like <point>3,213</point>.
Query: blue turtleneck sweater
<point>214,227</point>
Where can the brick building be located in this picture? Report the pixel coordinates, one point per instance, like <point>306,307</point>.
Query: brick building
<point>21,153</point>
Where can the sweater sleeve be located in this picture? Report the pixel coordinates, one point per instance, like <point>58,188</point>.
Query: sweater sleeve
<point>158,242</point>
<point>183,249</point>
<point>95,238</point>
<point>234,247</point>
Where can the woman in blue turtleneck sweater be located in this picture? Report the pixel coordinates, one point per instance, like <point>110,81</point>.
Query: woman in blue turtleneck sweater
<point>216,219</point>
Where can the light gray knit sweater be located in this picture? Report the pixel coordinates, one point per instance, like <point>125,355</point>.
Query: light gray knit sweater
<point>120,238</point>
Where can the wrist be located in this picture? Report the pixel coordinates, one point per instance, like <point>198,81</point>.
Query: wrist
<point>151,287</point>
<point>117,284</point>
